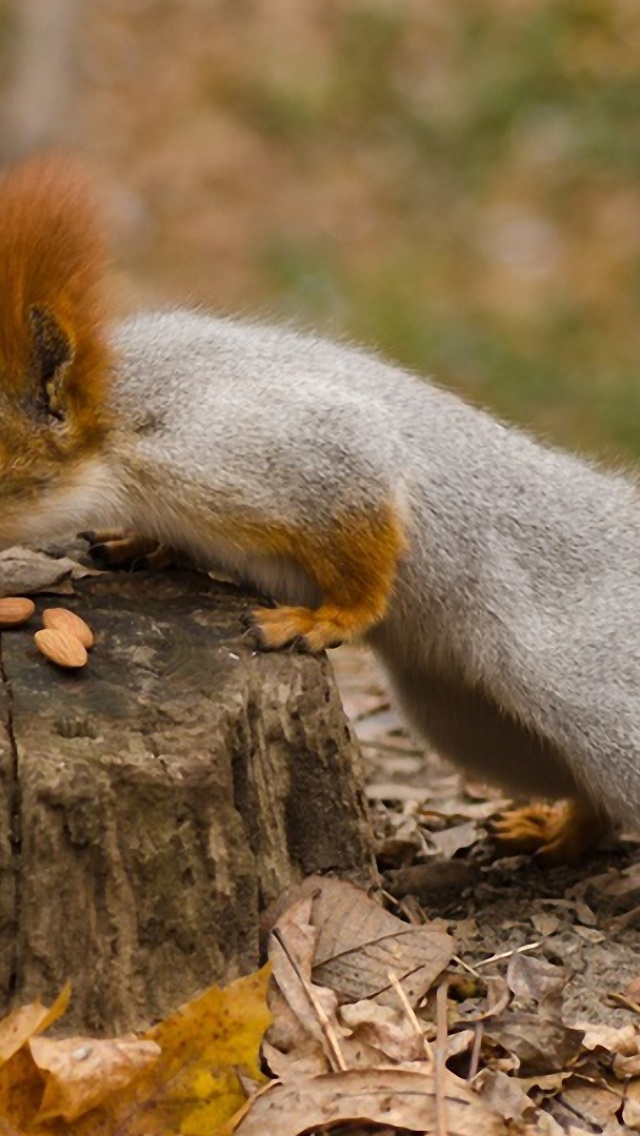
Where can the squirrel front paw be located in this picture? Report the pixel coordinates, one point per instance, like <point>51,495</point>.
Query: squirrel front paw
<point>297,627</point>
<point>124,548</point>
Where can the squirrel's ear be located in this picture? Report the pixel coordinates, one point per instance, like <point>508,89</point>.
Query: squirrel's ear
<point>51,353</point>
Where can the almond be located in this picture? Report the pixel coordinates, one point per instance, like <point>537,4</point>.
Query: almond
<point>15,610</point>
<point>61,648</point>
<point>60,619</point>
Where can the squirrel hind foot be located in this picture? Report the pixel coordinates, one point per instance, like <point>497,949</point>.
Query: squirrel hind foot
<point>124,548</point>
<point>553,834</point>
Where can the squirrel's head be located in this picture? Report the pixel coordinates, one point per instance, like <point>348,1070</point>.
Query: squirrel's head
<point>54,360</point>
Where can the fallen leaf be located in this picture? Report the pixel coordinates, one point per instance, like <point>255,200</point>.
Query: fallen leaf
<point>545,923</point>
<point>541,1045</point>
<point>535,980</point>
<point>455,838</point>
<point>395,1097</point>
<point>296,1039</point>
<point>624,1040</point>
<point>24,571</point>
<point>428,881</point>
<point>359,943</point>
<point>20,1090</point>
<point>387,1031</point>
<point>596,1105</point>
<point>195,1086</point>
<point>203,1056</point>
<point>503,1093</point>
<point>81,1073</point>
<point>26,1021</point>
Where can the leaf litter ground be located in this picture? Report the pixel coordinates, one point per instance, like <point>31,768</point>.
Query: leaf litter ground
<point>489,997</point>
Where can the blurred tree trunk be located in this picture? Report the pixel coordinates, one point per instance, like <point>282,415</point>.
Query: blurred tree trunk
<point>42,82</point>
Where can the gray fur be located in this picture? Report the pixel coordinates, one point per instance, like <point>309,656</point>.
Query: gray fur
<point>513,633</point>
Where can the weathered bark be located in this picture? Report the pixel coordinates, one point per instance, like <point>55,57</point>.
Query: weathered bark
<point>152,803</point>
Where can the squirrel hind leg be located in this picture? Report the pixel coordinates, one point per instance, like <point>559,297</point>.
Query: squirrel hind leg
<point>553,834</point>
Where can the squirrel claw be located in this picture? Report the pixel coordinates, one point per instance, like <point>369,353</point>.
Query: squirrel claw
<point>253,627</point>
<point>552,834</point>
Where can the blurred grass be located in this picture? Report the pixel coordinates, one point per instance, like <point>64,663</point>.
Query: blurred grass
<point>557,79</point>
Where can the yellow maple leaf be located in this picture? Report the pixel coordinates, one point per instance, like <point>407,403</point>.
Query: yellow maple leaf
<point>183,1078</point>
<point>194,1083</point>
<point>205,1046</point>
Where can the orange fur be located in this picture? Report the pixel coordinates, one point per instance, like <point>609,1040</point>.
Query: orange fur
<point>353,565</point>
<point>52,254</point>
<point>555,833</point>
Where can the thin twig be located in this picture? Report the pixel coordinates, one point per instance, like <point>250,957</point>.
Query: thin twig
<point>508,954</point>
<point>622,1000</point>
<point>409,914</point>
<point>410,1012</point>
<point>333,1045</point>
<point>475,1052</point>
<point>441,1053</point>
<point>387,747</point>
<point>465,966</point>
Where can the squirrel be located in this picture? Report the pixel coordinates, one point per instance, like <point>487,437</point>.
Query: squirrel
<point>495,578</point>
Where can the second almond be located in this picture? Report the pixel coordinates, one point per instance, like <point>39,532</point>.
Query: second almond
<point>61,619</point>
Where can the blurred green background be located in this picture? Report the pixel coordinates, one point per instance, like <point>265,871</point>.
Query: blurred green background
<point>455,183</point>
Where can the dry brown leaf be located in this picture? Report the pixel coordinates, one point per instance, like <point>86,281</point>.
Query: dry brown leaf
<point>632,991</point>
<point>387,1033</point>
<point>453,839</point>
<point>81,1073</point>
<point>595,1105</point>
<point>300,939</point>
<point>394,1097</point>
<point>545,923</point>
<point>540,1045</point>
<point>296,1039</point>
<point>631,1109</point>
<point>623,1040</point>
<point>625,1067</point>
<point>503,1093</point>
<point>549,1084</point>
<point>535,980</point>
<point>428,881</point>
<point>25,571</point>
<point>622,886</point>
<point>359,943</point>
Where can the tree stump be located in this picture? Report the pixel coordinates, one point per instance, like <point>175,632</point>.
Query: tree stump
<point>154,802</point>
